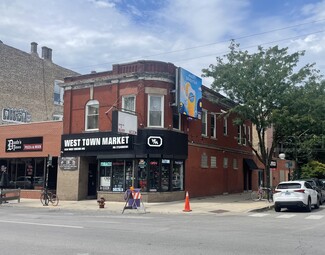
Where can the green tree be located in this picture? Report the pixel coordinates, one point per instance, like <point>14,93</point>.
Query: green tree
<point>262,85</point>
<point>313,169</point>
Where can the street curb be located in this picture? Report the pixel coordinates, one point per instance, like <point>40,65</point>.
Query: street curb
<point>266,208</point>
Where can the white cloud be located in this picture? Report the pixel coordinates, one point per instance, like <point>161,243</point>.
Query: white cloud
<point>88,35</point>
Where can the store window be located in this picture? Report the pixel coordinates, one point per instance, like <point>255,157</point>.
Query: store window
<point>178,175</point>
<point>116,175</point>
<point>92,114</point>
<point>155,111</point>
<point>165,174</point>
<point>105,175</point>
<point>154,175</point>
<point>142,176</point>
<point>29,173</point>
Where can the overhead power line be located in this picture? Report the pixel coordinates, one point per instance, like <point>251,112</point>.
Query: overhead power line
<point>219,42</point>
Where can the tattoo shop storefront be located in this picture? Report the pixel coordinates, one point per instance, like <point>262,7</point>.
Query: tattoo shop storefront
<point>106,164</point>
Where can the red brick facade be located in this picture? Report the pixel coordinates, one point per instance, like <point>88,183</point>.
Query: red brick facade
<point>152,77</point>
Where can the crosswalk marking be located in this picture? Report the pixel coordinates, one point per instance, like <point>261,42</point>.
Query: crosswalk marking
<point>314,217</point>
<point>259,215</point>
<point>286,216</point>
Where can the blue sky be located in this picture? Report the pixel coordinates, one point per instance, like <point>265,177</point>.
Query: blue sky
<point>92,35</point>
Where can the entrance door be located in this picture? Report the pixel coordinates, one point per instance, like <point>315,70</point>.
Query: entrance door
<point>92,170</point>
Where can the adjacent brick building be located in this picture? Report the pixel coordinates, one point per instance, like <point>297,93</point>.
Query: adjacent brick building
<point>30,95</point>
<point>29,85</point>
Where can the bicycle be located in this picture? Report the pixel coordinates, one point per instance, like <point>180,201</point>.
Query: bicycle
<point>262,193</point>
<point>47,196</point>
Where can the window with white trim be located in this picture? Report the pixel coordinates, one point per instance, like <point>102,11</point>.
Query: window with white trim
<point>204,160</point>
<point>225,162</point>
<point>213,125</point>
<point>225,126</point>
<point>245,134</point>
<point>58,93</point>
<point>213,162</point>
<point>204,130</point>
<point>239,134</point>
<point>92,115</point>
<point>128,103</point>
<point>249,133</point>
<point>155,110</point>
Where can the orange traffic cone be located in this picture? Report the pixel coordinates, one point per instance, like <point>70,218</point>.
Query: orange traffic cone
<point>187,203</point>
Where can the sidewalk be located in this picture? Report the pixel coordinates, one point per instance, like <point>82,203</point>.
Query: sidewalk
<point>230,203</point>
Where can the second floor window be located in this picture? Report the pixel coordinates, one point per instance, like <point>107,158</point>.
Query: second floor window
<point>58,93</point>
<point>155,111</point>
<point>92,114</point>
<point>128,103</point>
<point>204,122</point>
<point>225,126</point>
<point>213,126</point>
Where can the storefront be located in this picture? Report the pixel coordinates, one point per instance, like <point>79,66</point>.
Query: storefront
<point>152,160</point>
<point>25,151</point>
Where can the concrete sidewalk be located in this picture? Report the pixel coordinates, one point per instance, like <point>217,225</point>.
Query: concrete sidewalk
<point>230,203</point>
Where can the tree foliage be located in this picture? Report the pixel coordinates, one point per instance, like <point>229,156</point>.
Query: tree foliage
<point>265,85</point>
<point>313,169</point>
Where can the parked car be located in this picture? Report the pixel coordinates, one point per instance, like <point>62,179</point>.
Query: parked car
<point>319,186</point>
<point>295,194</point>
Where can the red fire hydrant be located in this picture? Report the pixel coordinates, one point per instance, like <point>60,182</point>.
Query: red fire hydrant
<point>101,202</point>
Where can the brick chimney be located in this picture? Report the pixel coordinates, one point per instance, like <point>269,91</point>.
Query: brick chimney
<point>33,49</point>
<point>44,52</point>
<point>47,53</point>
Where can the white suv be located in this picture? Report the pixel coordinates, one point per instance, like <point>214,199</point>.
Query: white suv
<point>293,194</point>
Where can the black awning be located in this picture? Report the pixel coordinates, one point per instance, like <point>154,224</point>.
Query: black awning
<point>250,163</point>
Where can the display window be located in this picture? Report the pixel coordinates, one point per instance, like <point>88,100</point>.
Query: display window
<point>116,175</point>
<point>105,170</point>
<point>29,173</point>
<point>178,175</point>
<point>165,174</point>
<point>154,175</point>
<point>151,175</point>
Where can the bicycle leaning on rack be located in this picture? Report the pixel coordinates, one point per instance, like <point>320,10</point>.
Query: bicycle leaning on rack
<point>261,194</point>
<point>49,197</point>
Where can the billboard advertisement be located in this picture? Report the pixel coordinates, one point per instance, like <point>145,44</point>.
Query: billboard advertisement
<point>190,94</point>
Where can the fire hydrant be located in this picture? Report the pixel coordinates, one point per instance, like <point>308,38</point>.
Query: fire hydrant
<point>101,202</point>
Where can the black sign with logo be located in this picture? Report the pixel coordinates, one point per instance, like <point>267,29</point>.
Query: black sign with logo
<point>24,144</point>
<point>94,142</point>
<point>155,141</point>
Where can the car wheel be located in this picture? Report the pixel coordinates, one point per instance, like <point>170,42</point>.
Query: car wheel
<point>308,208</point>
<point>277,208</point>
<point>317,203</point>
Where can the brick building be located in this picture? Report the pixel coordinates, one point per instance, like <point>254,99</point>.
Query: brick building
<point>29,85</point>
<point>30,95</point>
<point>169,151</point>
